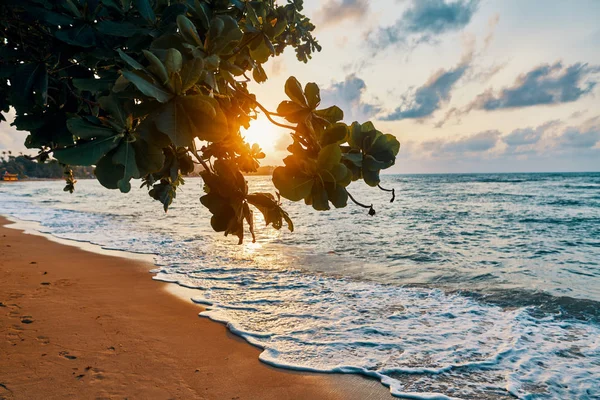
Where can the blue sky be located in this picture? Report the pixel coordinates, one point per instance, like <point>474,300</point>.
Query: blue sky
<point>465,85</point>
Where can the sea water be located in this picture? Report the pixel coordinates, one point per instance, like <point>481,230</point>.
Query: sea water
<point>477,286</point>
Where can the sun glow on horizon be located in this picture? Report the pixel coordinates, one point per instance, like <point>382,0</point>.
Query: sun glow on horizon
<point>264,133</point>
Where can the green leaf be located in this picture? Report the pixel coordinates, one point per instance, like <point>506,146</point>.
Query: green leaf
<point>188,30</point>
<point>292,185</point>
<point>149,158</point>
<point>174,121</point>
<point>157,67</point>
<point>371,164</point>
<point>354,158</point>
<point>370,177</point>
<point>72,8</point>
<point>272,212</point>
<point>259,74</point>
<point>145,9</point>
<point>28,122</point>
<point>125,155</point>
<point>385,147</point>
<point>30,83</point>
<point>202,12</point>
<point>229,36</point>
<point>113,107</point>
<point>332,114</point>
<point>294,91</point>
<point>209,120</point>
<point>86,130</point>
<point>163,192</point>
<point>329,156</point>
<point>147,87</point>
<point>173,61</point>
<point>320,200</point>
<point>313,94</point>
<point>292,111</point>
<point>50,17</point>
<point>191,73</point>
<point>251,15</point>
<point>108,173</point>
<point>94,85</point>
<point>336,174</point>
<point>334,134</point>
<point>259,49</point>
<point>87,153</point>
<point>82,36</point>
<point>129,60</point>
<point>120,29</point>
<point>338,196</point>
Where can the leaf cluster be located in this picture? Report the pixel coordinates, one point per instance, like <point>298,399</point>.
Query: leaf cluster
<point>155,89</point>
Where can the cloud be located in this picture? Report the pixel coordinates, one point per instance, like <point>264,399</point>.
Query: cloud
<point>10,138</point>
<point>431,96</point>
<point>546,140</point>
<point>333,12</point>
<point>424,20</point>
<point>349,96</point>
<point>583,137</point>
<point>546,84</point>
<point>492,23</point>
<point>277,67</point>
<point>552,146</point>
<point>478,143</point>
<point>528,136</point>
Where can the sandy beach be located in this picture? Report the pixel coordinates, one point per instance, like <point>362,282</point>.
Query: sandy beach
<point>81,325</point>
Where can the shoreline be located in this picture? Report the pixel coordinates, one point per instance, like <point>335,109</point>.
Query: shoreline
<point>78,324</point>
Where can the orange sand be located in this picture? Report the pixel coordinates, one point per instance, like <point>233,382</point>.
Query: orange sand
<point>80,325</point>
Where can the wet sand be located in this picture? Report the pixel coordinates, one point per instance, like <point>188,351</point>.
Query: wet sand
<point>80,325</point>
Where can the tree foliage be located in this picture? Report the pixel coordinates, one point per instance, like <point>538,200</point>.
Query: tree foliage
<point>144,89</point>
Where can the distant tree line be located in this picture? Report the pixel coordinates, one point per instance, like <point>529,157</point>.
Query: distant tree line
<point>27,168</point>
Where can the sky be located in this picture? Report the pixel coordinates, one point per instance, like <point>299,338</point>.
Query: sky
<point>465,85</point>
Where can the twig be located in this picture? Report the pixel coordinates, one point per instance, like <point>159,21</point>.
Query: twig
<point>263,109</point>
<point>371,209</point>
<point>389,190</point>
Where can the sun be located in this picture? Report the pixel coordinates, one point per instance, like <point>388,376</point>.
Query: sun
<point>264,133</point>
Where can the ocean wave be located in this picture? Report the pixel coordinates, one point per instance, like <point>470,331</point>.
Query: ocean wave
<point>433,296</point>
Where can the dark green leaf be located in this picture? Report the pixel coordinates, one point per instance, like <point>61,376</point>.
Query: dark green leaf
<point>188,30</point>
<point>157,67</point>
<point>292,185</point>
<point>313,95</point>
<point>108,173</point>
<point>129,60</point>
<point>94,85</point>
<point>145,9</point>
<point>329,156</point>
<point>148,88</point>
<point>334,134</point>
<point>86,130</point>
<point>121,29</point>
<point>191,73</point>
<point>125,156</point>
<point>332,114</point>
<point>87,153</point>
<point>82,36</point>
<point>294,91</point>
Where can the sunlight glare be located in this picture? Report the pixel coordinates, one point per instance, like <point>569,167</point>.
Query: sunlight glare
<point>263,132</point>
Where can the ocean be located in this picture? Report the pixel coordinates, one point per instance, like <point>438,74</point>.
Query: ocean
<point>468,286</point>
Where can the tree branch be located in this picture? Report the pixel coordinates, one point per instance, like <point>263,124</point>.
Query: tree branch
<point>263,109</point>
